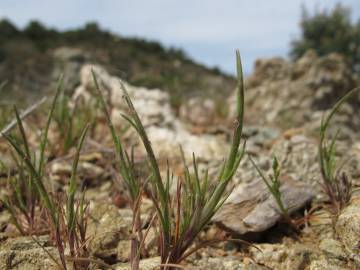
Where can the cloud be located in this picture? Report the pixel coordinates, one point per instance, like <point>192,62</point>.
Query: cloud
<point>208,30</point>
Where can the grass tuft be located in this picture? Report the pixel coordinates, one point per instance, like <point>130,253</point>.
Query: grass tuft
<point>68,228</point>
<point>336,185</point>
<point>196,200</point>
<point>126,166</point>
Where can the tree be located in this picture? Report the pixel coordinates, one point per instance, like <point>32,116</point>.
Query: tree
<point>42,36</point>
<point>35,31</point>
<point>327,32</point>
<point>7,29</point>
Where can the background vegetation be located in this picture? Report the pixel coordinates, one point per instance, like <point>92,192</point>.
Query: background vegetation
<point>27,59</point>
<point>327,32</point>
<point>28,53</point>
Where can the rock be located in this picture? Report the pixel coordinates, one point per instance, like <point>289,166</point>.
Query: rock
<point>294,256</point>
<point>198,111</point>
<point>260,135</point>
<point>348,229</point>
<point>23,253</point>
<point>24,243</point>
<point>298,156</point>
<point>265,70</point>
<point>331,77</point>
<point>110,230</point>
<point>323,264</point>
<point>68,61</point>
<point>166,143</point>
<point>100,193</point>
<point>284,257</point>
<point>303,64</point>
<point>107,228</point>
<point>152,105</point>
<point>224,263</point>
<point>333,248</point>
<point>89,173</point>
<point>151,241</point>
<point>61,168</point>
<point>252,209</point>
<point>146,264</point>
<point>165,131</point>
<point>295,94</point>
<point>7,162</point>
<point>34,259</point>
<point>5,219</point>
<point>124,250</point>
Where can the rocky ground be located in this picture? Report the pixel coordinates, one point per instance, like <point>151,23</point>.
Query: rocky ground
<point>284,105</point>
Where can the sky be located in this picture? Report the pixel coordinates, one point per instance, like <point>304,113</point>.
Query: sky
<point>209,31</point>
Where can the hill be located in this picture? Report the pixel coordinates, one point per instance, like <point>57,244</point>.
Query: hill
<point>32,58</point>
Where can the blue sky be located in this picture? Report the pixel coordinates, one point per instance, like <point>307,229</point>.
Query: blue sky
<point>208,30</point>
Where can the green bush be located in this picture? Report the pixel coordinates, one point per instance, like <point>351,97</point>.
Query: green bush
<point>7,29</point>
<point>327,32</point>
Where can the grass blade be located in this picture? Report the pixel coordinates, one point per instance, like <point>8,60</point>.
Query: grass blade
<point>46,130</point>
<point>72,184</point>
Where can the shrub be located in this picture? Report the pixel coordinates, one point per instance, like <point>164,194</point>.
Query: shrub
<point>7,29</point>
<point>327,32</point>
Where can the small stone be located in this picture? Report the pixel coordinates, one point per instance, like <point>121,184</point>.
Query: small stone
<point>224,263</point>
<point>198,111</point>
<point>124,251</point>
<point>285,257</point>
<point>107,229</point>
<point>333,248</point>
<point>261,135</point>
<point>25,253</point>
<point>323,264</point>
<point>146,264</point>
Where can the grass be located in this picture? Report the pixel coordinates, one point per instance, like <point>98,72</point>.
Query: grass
<point>336,185</point>
<point>28,189</point>
<point>70,121</point>
<point>179,228</point>
<point>273,184</point>
<point>180,215</point>
<point>67,226</point>
<point>4,108</point>
<point>126,166</point>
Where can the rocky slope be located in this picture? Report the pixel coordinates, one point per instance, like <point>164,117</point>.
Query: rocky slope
<point>284,104</point>
<point>295,95</point>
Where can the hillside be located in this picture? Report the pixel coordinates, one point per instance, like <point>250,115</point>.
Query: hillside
<point>120,174</point>
<point>284,104</point>
<point>30,60</point>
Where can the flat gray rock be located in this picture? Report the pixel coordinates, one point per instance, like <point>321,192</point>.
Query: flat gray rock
<point>251,208</point>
